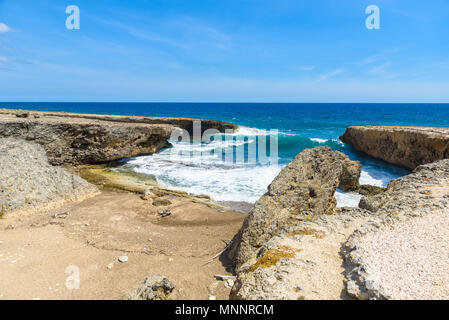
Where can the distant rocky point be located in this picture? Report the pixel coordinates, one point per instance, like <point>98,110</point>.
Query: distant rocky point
<point>74,139</point>
<point>408,147</point>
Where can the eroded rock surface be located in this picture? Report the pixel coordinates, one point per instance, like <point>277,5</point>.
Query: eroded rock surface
<point>28,181</point>
<point>408,147</point>
<point>75,139</point>
<point>302,192</point>
<point>400,268</point>
<point>157,287</point>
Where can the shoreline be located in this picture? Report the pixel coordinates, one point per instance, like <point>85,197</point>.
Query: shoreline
<point>176,233</point>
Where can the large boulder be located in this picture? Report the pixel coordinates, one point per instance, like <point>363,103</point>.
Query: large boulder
<point>28,181</point>
<point>303,189</point>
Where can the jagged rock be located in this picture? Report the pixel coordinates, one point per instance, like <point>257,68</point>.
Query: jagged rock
<point>28,181</point>
<point>405,146</point>
<point>22,114</point>
<point>148,195</point>
<point>157,287</point>
<point>74,139</point>
<point>304,188</point>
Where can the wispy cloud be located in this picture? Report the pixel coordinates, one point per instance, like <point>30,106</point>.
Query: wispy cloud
<point>304,68</point>
<point>4,28</point>
<point>135,32</point>
<point>331,74</point>
<point>381,56</point>
<point>380,69</point>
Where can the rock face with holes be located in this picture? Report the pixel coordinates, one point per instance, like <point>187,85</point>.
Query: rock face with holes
<point>408,147</point>
<point>302,191</point>
<point>28,181</point>
<point>74,139</point>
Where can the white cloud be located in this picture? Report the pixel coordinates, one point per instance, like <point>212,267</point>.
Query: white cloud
<point>331,74</point>
<point>380,69</point>
<point>381,56</point>
<point>304,68</point>
<point>4,28</point>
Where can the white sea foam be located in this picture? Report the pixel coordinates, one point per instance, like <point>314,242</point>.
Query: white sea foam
<point>347,199</point>
<point>318,140</point>
<point>199,169</point>
<point>376,177</point>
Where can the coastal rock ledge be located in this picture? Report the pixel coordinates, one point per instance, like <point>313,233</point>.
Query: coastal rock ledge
<point>408,147</point>
<point>75,138</point>
<point>29,182</point>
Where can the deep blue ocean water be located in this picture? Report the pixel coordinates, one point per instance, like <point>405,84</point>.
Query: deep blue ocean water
<point>301,126</point>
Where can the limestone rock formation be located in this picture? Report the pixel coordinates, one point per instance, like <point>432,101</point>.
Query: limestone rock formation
<point>408,147</point>
<point>303,191</point>
<point>304,188</point>
<point>75,139</point>
<point>423,193</point>
<point>28,181</point>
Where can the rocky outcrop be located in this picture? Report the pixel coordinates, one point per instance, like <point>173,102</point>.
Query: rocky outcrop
<point>157,287</point>
<point>28,181</point>
<point>416,196</point>
<point>76,139</point>
<point>303,191</point>
<point>408,147</point>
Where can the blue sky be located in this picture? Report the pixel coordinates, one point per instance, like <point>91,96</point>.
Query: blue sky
<point>230,51</point>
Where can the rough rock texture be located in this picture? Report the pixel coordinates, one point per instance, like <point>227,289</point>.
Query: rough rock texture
<point>408,147</point>
<point>157,287</point>
<point>303,191</point>
<point>404,255</point>
<point>28,181</point>
<point>75,139</point>
<point>304,188</point>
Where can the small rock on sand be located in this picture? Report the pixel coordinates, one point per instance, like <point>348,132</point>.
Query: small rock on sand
<point>157,287</point>
<point>123,259</point>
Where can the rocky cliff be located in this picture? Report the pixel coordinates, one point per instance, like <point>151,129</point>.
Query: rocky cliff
<point>75,139</point>
<point>303,191</point>
<point>295,244</point>
<point>28,181</point>
<point>408,147</point>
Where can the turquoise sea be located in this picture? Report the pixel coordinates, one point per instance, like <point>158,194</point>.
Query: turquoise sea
<point>300,126</point>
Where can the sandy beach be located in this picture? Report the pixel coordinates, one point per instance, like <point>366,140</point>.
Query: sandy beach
<point>35,250</point>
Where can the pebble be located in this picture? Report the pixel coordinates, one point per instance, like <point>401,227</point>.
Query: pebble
<point>212,298</point>
<point>229,283</point>
<point>123,259</point>
<point>110,266</point>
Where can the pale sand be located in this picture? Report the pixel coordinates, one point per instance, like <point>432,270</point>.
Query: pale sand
<point>411,258</point>
<point>34,254</point>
